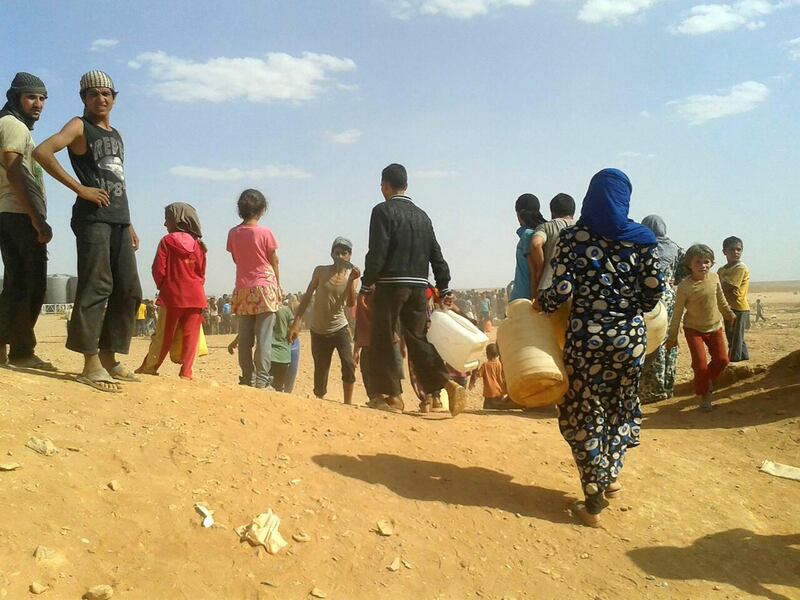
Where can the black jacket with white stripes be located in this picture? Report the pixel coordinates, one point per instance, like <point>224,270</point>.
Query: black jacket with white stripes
<point>402,244</point>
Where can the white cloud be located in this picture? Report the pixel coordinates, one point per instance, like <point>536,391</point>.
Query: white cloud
<point>268,172</point>
<point>435,174</point>
<point>612,11</point>
<point>102,44</point>
<point>349,136</point>
<point>711,18</point>
<point>635,155</point>
<point>793,47</point>
<point>455,9</point>
<point>278,76</point>
<point>741,98</point>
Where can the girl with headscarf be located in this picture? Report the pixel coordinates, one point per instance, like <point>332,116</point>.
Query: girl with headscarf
<point>658,376</point>
<point>179,271</point>
<point>529,217</point>
<point>608,266</point>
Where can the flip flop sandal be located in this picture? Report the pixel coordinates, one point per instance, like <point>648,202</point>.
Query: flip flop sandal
<point>613,492</point>
<point>584,516</point>
<point>97,379</point>
<point>34,362</point>
<point>120,373</point>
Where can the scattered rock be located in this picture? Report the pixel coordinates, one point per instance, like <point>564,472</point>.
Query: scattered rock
<point>43,446</point>
<point>113,485</point>
<point>10,466</point>
<point>650,577</point>
<point>206,513</point>
<point>301,537</point>
<point>99,592</point>
<point>43,553</point>
<point>37,588</point>
<point>585,555</point>
<point>395,566</point>
<point>318,593</point>
<point>717,588</point>
<point>385,528</point>
<point>407,564</point>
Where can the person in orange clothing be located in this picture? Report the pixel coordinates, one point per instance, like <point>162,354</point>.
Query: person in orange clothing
<point>495,394</point>
<point>179,271</point>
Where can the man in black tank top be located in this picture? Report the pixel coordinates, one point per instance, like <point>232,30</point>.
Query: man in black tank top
<point>104,314</point>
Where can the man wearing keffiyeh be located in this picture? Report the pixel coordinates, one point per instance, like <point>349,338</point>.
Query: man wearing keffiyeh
<point>24,231</point>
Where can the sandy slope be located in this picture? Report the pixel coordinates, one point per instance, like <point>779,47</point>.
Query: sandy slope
<point>479,503</point>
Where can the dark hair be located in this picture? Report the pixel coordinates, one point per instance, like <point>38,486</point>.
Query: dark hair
<point>395,176</point>
<point>252,204</point>
<point>492,351</point>
<point>730,241</point>
<point>528,209</point>
<point>562,205</point>
<point>698,251</point>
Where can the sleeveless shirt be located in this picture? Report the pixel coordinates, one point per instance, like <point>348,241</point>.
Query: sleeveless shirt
<point>101,167</point>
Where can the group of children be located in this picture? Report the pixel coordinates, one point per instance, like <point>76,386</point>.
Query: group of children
<point>715,313</point>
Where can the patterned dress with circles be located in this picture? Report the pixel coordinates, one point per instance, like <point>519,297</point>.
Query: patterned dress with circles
<point>611,284</point>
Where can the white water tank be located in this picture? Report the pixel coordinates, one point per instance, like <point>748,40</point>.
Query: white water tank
<point>56,289</point>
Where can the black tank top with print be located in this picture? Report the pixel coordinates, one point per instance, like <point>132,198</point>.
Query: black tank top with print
<point>101,167</point>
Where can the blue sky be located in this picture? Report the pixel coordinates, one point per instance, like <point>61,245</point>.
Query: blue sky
<point>482,100</point>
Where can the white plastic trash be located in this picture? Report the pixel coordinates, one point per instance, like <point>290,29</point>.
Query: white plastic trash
<point>460,343</point>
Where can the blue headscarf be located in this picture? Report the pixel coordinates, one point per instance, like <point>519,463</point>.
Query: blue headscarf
<point>605,209</point>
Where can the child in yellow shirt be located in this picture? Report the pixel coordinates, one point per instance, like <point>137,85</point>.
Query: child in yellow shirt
<point>735,279</point>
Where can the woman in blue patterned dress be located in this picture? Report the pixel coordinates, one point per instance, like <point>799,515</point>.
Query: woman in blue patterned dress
<point>607,265</point>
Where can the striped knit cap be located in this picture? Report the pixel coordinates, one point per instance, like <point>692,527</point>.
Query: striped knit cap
<point>96,79</point>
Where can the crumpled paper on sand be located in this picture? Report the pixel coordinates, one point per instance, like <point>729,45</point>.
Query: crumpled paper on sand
<point>263,531</point>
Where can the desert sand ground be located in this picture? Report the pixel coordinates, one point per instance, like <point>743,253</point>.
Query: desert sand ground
<point>479,504</point>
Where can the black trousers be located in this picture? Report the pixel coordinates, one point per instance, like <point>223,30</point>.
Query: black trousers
<point>322,347</point>
<point>278,371</point>
<point>24,284</point>
<point>104,313</point>
<point>406,307</point>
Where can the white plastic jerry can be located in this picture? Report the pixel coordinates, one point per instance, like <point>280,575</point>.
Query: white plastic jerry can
<point>460,344</point>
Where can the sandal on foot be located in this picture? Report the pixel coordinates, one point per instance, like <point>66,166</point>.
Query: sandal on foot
<point>33,362</point>
<point>120,373</point>
<point>585,517</point>
<point>100,380</point>
<point>391,404</point>
<point>613,490</point>
<point>457,398</point>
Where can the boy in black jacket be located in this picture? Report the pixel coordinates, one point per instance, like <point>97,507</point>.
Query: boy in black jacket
<point>402,245</point>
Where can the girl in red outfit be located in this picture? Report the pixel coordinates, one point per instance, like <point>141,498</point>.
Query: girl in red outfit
<point>179,271</point>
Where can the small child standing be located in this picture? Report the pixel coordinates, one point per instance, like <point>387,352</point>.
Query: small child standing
<point>735,279</point>
<point>700,295</point>
<point>179,272</point>
<point>257,296</point>
<point>495,395</point>
<point>281,349</point>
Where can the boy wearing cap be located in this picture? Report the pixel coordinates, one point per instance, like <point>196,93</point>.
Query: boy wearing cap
<point>24,231</point>
<point>332,286</point>
<point>108,294</point>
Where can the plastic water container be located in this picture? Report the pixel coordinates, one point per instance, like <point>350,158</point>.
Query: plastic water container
<point>656,322</point>
<point>460,344</point>
<point>532,361</point>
